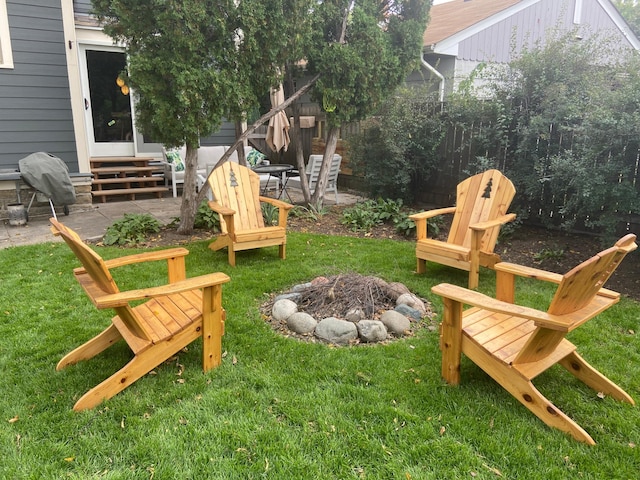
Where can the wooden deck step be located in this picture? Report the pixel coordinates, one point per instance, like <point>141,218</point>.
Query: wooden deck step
<point>126,176</point>
<point>130,192</point>
<point>123,169</point>
<point>97,161</point>
<point>127,191</point>
<point>102,181</point>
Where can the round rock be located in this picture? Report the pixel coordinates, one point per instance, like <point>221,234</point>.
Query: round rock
<point>413,301</point>
<point>283,309</point>
<point>294,297</point>
<point>408,311</point>
<point>336,331</point>
<point>301,322</point>
<point>354,315</point>
<point>395,289</point>
<point>371,331</point>
<point>395,322</point>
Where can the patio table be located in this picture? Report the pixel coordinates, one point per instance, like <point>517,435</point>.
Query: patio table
<point>279,171</point>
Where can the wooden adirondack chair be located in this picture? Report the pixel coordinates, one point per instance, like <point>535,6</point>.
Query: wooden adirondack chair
<point>236,198</point>
<point>514,344</point>
<point>172,317</point>
<point>481,208</point>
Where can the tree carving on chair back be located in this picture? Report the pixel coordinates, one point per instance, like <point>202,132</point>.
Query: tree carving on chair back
<point>237,199</point>
<point>481,208</point>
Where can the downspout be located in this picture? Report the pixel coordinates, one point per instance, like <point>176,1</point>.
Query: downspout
<point>432,69</point>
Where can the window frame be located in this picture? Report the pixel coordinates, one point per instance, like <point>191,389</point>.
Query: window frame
<point>6,54</point>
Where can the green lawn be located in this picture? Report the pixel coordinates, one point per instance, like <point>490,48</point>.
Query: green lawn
<point>283,409</point>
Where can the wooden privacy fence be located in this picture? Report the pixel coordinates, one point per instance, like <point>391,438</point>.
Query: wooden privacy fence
<point>464,147</point>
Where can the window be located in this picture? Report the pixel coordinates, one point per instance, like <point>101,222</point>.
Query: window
<point>6,57</point>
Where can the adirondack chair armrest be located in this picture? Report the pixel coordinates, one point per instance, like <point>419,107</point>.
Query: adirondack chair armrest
<point>147,257</point>
<point>167,254</point>
<point>493,223</point>
<point>529,272</point>
<point>283,209</point>
<point>476,299</point>
<point>220,209</point>
<point>421,218</point>
<point>431,213</point>
<point>276,203</point>
<point>123,298</point>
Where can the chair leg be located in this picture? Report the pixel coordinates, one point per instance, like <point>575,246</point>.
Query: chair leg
<point>90,349</point>
<point>474,277</point>
<point>232,256</point>
<point>139,366</point>
<point>577,366</point>
<point>282,251</point>
<point>421,266</point>
<point>523,390</point>
<point>220,242</point>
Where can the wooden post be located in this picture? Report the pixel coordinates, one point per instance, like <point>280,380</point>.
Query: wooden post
<point>176,269</point>
<point>212,327</point>
<point>505,286</point>
<point>451,341</point>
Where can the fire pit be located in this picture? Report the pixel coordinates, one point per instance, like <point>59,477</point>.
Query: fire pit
<point>347,309</point>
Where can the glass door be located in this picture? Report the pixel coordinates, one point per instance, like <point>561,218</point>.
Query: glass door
<point>107,102</point>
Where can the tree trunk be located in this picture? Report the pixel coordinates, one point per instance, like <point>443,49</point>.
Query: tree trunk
<point>264,118</point>
<point>189,205</point>
<point>242,159</point>
<point>297,135</point>
<point>330,148</point>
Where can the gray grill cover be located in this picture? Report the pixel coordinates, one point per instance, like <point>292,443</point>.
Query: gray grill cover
<point>49,175</point>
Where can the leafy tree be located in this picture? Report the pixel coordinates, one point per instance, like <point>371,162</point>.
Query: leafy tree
<point>398,146</point>
<point>630,10</point>
<point>363,49</point>
<point>571,122</point>
<point>193,63</point>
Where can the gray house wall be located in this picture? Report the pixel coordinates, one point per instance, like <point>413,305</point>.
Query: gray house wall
<point>529,26</point>
<point>82,7</point>
<point>34,95</point>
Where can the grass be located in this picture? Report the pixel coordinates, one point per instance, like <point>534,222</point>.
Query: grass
<point>282,409</point>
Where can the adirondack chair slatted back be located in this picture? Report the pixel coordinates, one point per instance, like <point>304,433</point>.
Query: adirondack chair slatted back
<point>238,188</point>
<point>577,289</point>
<point>580,285</point>
<point>313,170</point>
<point>100,277</point>
<point>479,198</point>
<point>91,261</point>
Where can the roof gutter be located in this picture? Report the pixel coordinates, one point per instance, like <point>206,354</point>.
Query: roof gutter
<point>432,69</point>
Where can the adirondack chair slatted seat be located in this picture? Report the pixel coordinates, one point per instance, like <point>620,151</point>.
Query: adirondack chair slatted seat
<point>481,208</point>
<point>514,344</point>
<point>173,315</point>
<point>236,198</point>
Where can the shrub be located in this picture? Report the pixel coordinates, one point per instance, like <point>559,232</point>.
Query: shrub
<point>207,218</point>
<point>397,148</point>
<point>364,216</point>
<point>132,229</point>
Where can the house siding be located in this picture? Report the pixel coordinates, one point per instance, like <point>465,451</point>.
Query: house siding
<point>34,95</point>
<point>529,26</point>
<point>82,7</point>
